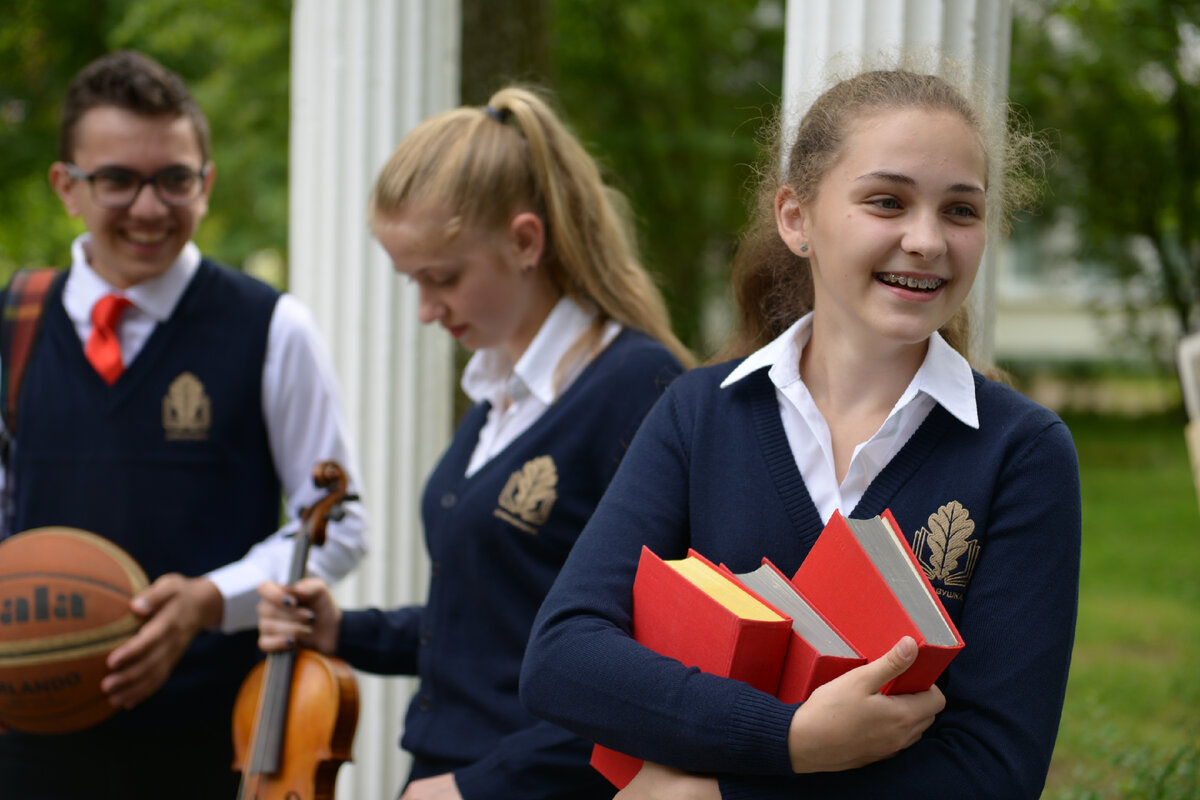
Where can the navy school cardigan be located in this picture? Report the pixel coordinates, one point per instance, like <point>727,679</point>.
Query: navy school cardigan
<point>711,469</point>
<point>496,542</point>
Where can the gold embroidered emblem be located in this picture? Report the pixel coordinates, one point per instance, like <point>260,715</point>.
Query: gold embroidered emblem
<point>187,409</point>
<point>529,494</point>
<point>946,550</point>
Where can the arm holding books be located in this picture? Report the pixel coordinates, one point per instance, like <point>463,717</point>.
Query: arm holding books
<point>847,723</point>
<point>1003,692</point>
<point>820,735</point>
<point>584,671</point>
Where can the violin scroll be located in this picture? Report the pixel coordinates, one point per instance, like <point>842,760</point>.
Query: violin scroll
<point>330,476</point>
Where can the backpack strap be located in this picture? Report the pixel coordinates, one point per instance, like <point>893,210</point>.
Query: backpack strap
<point>23,303</point>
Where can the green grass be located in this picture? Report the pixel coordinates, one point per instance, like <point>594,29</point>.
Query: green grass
<point>1131,725</point>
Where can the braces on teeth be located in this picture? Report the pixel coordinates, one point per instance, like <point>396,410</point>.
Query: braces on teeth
<point>911,283</point>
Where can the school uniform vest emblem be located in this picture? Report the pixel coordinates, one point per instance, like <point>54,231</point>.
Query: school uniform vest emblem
<point>946,550</point>
<point>529,494</point>
<point>187,409</point>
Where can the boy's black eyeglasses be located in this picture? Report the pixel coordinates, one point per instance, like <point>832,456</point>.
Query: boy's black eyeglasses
<point>117,187</point>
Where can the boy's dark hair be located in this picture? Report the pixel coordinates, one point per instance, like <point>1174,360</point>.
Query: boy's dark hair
<point>132,81</point>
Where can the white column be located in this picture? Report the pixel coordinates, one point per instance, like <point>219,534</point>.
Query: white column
<point>974,34</point>
<point>364,72</point>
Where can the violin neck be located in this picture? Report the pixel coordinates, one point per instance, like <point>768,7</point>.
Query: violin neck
<point>299,563</point>
<point>266,754</point>
<point>266,751</point>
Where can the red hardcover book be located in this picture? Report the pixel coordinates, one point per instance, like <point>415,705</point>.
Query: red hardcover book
<point>862,575</point>
<point>817,651</point>
<point>690,610</point>
<point>861,581</point>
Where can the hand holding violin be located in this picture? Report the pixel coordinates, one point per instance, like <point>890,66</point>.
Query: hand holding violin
<point>303,614</point>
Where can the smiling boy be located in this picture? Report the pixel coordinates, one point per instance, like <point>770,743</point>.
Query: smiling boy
<point>178,446</point>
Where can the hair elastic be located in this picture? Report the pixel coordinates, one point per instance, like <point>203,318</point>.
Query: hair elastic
<point>498,114</point>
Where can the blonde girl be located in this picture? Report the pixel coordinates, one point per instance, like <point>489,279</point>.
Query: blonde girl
<point>522,253</point>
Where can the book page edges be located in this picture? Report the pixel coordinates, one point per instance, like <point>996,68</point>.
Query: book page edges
<point>859,614</point>
<point>887,517</point>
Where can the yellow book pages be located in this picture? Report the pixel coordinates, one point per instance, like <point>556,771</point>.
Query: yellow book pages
<point>721,589</point>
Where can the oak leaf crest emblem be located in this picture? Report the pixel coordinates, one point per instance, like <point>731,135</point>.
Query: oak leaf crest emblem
<point>529,494</point>
<point>946,548</point>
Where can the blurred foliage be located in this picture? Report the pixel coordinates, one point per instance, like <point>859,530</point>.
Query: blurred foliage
<point>503,41</point>
<point>669,96</point>
<point>672,96</point>
<point>232,53</point>
<point>1117,82</point>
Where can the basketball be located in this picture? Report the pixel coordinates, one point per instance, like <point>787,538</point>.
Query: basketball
<point>64,606</point>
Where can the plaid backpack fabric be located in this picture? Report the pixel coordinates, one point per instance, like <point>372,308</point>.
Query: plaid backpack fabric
<point>23,303</point>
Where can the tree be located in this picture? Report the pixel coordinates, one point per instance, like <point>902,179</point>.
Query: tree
<point>502,42</point>
<point>233,54</point>
<point>1119,81</point>
<point>672,96</point>
<point>41,46</point>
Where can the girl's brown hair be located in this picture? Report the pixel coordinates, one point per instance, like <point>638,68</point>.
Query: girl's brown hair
<point>772,286</point>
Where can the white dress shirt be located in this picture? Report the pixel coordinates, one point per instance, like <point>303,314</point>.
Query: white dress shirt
<point>944,378</point>
<point>303,428</point>
<point>520,393</point>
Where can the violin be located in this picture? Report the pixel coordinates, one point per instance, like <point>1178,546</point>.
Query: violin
<point>296,712</point>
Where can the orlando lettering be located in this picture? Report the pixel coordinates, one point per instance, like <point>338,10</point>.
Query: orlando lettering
<point>50,685</point>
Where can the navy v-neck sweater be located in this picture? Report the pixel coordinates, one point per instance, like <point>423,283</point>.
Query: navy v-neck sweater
<point>711,469</point>
<point>496,541</point>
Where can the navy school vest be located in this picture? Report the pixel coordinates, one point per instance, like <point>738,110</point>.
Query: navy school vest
<point>172,462</point>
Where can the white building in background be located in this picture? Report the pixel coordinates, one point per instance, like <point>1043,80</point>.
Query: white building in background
<point>1051,311</point>
<point>1061,327</point>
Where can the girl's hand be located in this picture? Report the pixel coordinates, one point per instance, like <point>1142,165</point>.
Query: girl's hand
<point>656,782</point>
<point>304,614</point>
<point>439,787</point>
<point>847,723</point>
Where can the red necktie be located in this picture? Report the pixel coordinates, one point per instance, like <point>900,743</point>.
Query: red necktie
<point>103,349</point>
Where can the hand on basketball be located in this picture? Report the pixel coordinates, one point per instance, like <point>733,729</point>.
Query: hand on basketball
<point>655,781</point>
<point>304,614</point>
<point>175,609</point>
<point>847,723</point>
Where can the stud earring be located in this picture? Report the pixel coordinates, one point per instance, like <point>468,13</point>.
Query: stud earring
<point>803,248</point>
